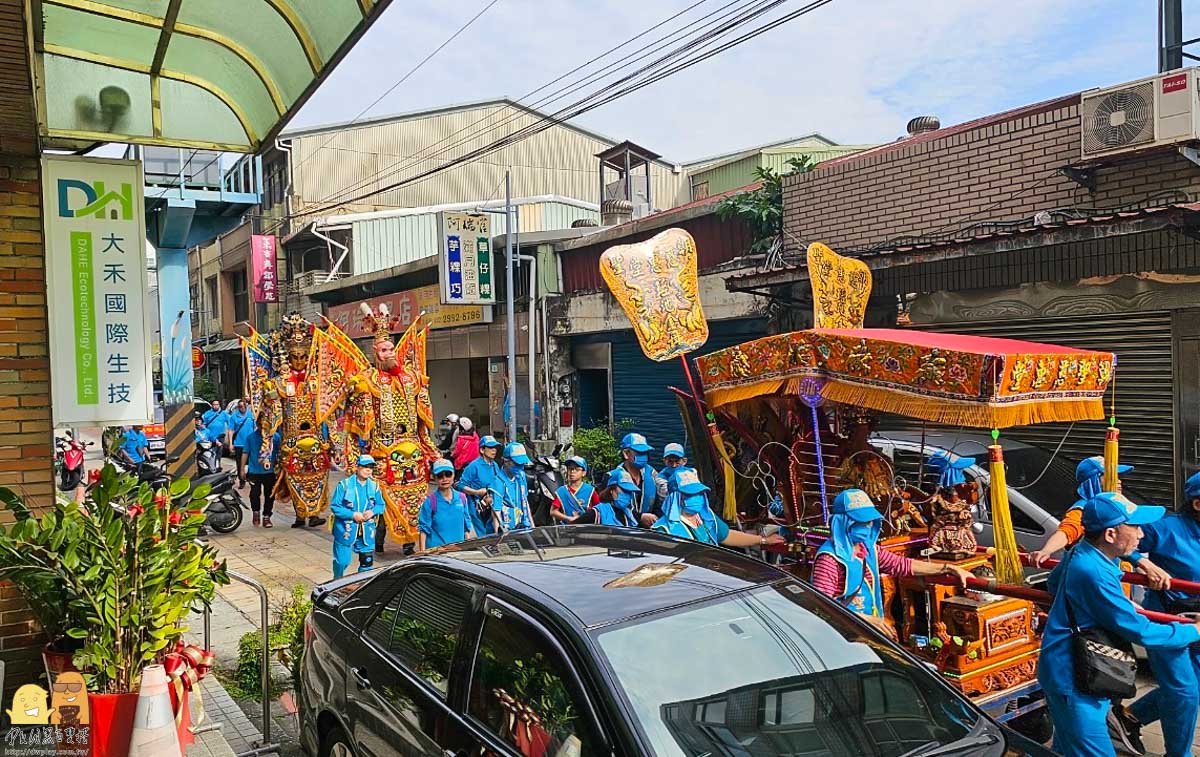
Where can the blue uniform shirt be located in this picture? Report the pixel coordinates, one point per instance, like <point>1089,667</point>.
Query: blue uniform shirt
<point>1092,583</point>
<point>134,441</point>
<point>1173,544</point>
<point>354,496</point>
<point>479,474</point>
<point>449,524</point>
<point>700,534</point>
<point>511,500</point>
<point>253,443</point>
<point>241,424</point>
<point>215,424</point>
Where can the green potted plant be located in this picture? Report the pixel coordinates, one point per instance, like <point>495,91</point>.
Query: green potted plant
<point>131,569</point>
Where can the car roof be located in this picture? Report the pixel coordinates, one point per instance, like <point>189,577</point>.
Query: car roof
<point>962,443</point>
<point>604,575</point>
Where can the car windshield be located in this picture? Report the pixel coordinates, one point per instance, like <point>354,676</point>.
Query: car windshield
<point>778,671</point>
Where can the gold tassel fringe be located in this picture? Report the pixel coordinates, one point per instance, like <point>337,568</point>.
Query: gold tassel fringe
<point>1008,557</point>
<point>1111,455</point>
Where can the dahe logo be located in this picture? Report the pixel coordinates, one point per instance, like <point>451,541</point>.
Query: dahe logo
<point>95,200</point>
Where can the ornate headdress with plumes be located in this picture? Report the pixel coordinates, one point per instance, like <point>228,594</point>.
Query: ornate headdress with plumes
<point>294,333</point>
<point>379,322</point>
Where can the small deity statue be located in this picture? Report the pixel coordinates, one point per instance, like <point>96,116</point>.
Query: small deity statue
<point>951,534</point>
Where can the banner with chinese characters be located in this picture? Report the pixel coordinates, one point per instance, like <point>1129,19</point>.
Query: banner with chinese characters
<point>96,291</point>
<point>262,256</point>
<point>465,261</point>
<point>406,306</point>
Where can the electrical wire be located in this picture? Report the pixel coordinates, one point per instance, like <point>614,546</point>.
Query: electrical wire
<point>568,113</point>
<point>532,106</point>
<point>402,79</point>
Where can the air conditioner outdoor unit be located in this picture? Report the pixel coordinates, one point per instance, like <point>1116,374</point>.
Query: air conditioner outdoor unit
<point>1161,110</point>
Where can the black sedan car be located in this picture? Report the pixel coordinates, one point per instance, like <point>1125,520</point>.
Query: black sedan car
<point>588,641</point>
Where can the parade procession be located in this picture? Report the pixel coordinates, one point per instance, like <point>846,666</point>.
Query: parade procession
<point>351,408</point>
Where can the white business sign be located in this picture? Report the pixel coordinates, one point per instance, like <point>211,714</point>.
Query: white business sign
<point>466,266</point>
<point>96,291</point>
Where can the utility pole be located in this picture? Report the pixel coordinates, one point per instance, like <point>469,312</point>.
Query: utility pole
<point>512,301</point>
<point>1170,36</point>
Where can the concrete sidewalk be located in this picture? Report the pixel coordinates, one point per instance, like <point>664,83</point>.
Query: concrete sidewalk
<point>279,558</point>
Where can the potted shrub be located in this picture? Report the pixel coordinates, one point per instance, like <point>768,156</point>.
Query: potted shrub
<point>130,569</point>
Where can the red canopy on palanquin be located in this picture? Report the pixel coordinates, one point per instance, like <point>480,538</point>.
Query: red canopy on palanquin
<point>982,382</point>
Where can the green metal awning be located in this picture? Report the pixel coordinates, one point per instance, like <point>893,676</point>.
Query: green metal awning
<point>212,74</point>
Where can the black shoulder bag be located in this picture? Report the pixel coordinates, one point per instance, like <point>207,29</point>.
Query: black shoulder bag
<point>1104,662</point>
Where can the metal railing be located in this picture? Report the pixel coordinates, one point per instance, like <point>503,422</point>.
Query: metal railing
<point>266,746</point>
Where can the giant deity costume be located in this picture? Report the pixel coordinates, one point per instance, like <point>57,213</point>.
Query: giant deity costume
<point>283,384</point>
<point>390,417</point>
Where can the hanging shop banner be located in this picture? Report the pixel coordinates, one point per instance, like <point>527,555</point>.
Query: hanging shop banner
<point>465,264</point>
<point>175,335</point>
<point>263,268</point>
<point>96,291</point>
<point>405,306</point>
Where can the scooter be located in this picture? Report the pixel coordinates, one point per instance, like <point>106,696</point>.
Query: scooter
<point>543,478</point>
<point>69,461</point>
<point>224,512</point>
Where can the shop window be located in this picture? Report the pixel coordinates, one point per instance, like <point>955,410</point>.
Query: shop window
<point>241,295</point>
<point>211,312</point>
<point>478,369</point>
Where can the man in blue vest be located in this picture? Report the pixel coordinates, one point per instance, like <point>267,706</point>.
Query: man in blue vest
<point>135,448</point>
<point>575,496</point>
<point>216,422</point>
<point>1173,543</point>
<point>475,482</point>
<point>510,491</point>
<point>259,458</point>
<point>444,517</point>
<point>1087,594</point>
<point>687,514</point>
<point>356,505</point>
<point>618,507</point>
<point>635,459</point>
<point>674,460</point>
<point>241,423</point>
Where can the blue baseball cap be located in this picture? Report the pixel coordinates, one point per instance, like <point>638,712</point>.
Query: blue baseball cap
<point>577,461</point>
<point>942,460</point>
<point>687,481</point>
<point>1110,509</point>
<point>1093,467</point>
<point>515,451</point>
<point>442,466</point>
<point>1191,487</point>
<point>488,441</point>
<point>364,461</point>
<point>857,504</point>
<point>635,442</point>
<point>620,477</point>
<point>673,450</point>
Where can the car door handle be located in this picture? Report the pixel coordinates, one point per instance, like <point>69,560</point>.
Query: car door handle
<point>360,678</point>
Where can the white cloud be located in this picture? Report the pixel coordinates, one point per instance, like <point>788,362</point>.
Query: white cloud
<point>855,70</point>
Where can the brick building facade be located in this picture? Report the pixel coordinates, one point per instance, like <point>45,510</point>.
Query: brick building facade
<point>26,460</point>
<point>997,227</point>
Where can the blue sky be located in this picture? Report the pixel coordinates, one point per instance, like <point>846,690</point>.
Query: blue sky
<point>855,70</point>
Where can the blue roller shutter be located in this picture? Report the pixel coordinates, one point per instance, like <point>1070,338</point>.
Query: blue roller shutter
<point>640,385</point>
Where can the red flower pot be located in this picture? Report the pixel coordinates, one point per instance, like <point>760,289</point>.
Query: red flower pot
<point>56,660</point>
<point>112,723</point>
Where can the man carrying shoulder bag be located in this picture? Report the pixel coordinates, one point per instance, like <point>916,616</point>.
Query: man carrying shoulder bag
<point>1087,654</point>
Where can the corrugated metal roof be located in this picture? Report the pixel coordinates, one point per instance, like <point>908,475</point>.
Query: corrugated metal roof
<point>383,240</point>
<point>1016,231</point>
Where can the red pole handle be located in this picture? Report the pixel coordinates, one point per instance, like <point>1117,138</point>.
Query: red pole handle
<point>1177,584</point>
<point>1037,595</point>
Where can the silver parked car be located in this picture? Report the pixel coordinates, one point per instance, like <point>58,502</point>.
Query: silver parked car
<point>1040,487</point>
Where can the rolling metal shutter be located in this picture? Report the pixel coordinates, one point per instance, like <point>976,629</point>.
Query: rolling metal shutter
<point>640,385</point>
<point>1144,390</point>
